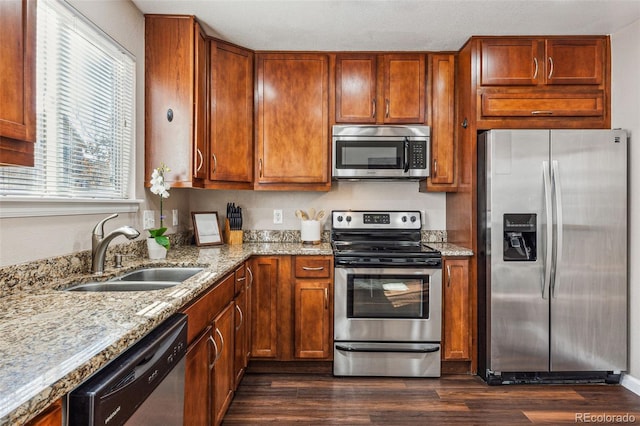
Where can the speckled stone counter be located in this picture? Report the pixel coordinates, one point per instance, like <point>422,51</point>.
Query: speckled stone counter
<point>51,340</point>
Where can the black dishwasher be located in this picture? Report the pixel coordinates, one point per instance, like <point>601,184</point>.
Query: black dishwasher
<point>143,386</point>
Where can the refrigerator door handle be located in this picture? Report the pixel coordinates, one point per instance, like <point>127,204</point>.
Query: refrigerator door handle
<point>557,189</point>
<point>546,284</point>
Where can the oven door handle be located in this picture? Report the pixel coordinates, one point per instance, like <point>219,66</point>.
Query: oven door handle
<point>387,348</point>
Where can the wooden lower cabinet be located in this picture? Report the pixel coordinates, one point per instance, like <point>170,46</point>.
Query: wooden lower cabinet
<point>457,333</point>
<point>222,373</point>
<point>292,308</point>
<point>52,416</point>
<point>209,370</point>
<point>196,389</point>
<point>313,307</point>
<point>242,323</point>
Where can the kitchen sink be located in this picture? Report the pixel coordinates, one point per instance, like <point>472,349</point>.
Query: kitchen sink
<point>145,279</point>
<point>122,286</point>
<point>159,274</point>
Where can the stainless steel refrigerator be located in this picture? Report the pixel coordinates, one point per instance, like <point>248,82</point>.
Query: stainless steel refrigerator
<point>552,261</point>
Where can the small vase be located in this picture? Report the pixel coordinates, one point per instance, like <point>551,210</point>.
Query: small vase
<point>156,251</point>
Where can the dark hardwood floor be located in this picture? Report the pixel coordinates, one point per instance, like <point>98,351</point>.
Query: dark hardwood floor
<point>321,399</point>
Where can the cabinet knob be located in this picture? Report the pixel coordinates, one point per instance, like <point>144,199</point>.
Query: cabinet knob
<point>170,115</point>
<point>465,123</point>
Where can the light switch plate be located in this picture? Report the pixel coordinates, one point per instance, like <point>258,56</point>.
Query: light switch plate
<point>148,219</point>
<point>174,217</point>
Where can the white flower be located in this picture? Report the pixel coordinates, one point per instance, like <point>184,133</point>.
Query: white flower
<point>158,185</point>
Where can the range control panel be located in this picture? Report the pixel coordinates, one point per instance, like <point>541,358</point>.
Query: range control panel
<point>358,219</point>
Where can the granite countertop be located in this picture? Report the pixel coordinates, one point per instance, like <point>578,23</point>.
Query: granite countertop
<point>51,340</point>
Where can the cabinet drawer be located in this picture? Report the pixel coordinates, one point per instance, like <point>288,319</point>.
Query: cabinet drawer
<point>204,310</point>
<point>240,276</point>
<point>313,267</point>
<point>542,105</point>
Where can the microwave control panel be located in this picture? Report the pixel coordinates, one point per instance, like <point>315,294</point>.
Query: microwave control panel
<point>418,154</point>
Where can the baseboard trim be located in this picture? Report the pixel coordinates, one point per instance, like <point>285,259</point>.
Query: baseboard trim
<point>631,383</point>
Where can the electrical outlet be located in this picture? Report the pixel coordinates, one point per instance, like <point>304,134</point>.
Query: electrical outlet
<point>174,217</point>
<point>148,219</point>
<point>277,217</point>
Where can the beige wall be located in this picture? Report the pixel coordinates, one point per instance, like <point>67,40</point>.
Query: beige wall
<point>258,206</point>
<point>626,114</point>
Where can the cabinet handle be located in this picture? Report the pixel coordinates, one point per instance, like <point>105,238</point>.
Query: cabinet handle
<point>386,102</point>
<point>326,298</point>
<point>201,160</point>
<point>241,317</point>
<point>250,276</point>
<point>241,279</point>
<point>260,167</point>
<point>221,345</point>
<point>542,112</point>
<point>435,167</point>
<point>448,275</point>
<point>535,73</point>
<point>550,67</point>
<point>215,359</point>
<point>373,114</point>
<point>215,163</point>
<point>309,268</point>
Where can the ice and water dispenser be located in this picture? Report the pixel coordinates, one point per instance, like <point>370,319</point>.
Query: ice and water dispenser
<point>519,239</point>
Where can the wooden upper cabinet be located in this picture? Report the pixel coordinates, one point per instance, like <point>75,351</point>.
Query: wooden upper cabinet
<point>575,61</point>
<point>442,96</point>
<point>383,89</point>
<point>231,117</point>
<point>404,88</point>
<point>356,88</point>
<point>17,81</point>
<point>534,61</point>
<point>508,61</point>
<point>175,107</point>
<point>293,146</point>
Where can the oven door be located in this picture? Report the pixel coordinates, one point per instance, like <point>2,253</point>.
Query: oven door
<point>388,304</point>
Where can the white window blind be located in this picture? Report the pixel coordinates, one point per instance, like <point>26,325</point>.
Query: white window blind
<point>85,112</point>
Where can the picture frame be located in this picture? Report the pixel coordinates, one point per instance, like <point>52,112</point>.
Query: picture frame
<point>206,228</point>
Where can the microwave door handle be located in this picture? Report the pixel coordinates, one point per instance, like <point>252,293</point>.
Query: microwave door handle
<point>406,154</point>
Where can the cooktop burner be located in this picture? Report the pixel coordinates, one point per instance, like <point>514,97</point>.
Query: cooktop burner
<point>380,238</point>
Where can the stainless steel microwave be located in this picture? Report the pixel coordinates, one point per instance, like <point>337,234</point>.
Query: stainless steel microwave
<point>380,152</point>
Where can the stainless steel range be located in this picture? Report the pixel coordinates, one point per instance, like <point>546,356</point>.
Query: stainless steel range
<point>388,295</point>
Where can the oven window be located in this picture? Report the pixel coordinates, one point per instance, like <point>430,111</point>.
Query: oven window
<point>369,155</point>
<point>384,296</point>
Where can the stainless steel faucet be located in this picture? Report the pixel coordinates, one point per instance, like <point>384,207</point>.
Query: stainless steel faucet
<point>99,242</point>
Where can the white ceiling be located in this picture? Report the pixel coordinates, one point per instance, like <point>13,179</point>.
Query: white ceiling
<point>393,25</point>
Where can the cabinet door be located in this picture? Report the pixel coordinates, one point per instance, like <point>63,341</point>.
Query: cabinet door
<point>312,319</point>
<point>17,81</point>
<point>292,130</point>
<point>52,416</point>
<point>510,61</point>
<point>442,121</point>
<point>200,104</point>
<point>196,380</point>
<point>575,61</point>
<point>231,113</point>
<point>456,310</point>
<point>404,88</point>
<point>222,373</point>
<point>356,88</point>
<point>264,307</point>
<point>240,339</point>
<point>170,50</point>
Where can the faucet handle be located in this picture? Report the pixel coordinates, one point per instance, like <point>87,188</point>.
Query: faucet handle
<point>98,230</point>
